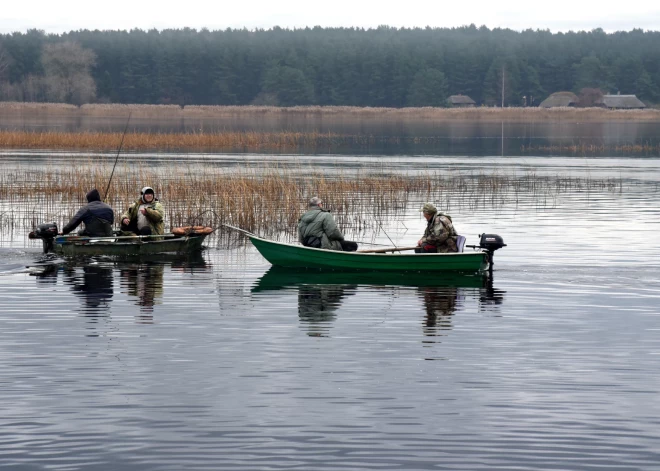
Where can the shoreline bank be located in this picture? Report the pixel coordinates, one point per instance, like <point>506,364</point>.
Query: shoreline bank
<point>477,114</point>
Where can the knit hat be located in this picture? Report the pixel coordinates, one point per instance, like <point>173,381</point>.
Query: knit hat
<point>428,208</point>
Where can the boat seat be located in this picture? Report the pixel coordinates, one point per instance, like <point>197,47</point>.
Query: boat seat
<point>460,242</point>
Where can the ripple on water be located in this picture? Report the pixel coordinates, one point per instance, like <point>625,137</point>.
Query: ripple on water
<point>221,363</point>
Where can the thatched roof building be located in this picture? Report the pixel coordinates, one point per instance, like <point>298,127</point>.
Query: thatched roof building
<point>560,99</point>
<point>461,101</point>
<point>622,102</point>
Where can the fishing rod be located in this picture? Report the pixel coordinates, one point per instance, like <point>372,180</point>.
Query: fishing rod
<point>382,229</point>
<point>117,158</point>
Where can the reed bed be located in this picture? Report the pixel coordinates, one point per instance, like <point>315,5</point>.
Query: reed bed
<point>143,141</point>
<point>278,142</point>
<point>594,149</point>
<point>345,112</point>
<point>266,201</point>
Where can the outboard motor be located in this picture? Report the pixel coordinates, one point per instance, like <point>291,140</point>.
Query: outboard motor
<point>47,233</point>
<point>490,243</point>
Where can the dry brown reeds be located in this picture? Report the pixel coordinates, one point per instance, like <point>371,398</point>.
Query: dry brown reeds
<point>253,141</point>
<point>582,148</point>
<point>513,114</point>
<point>141,141</point>
<point>268,200</point>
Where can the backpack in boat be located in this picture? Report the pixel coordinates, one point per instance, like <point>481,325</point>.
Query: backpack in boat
<point>312,241</point>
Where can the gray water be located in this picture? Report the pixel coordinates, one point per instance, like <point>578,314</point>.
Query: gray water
<point>221,362</point>
<point>385,136</point>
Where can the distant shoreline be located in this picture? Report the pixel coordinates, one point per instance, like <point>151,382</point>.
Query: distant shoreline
<point>337,112</point>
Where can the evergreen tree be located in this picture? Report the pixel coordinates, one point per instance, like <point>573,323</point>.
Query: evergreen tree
<point>339,66</point>
<point>428,88</point>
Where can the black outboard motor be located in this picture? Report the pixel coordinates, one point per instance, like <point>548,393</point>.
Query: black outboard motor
<point>490,243</point>
<point>47,233</point>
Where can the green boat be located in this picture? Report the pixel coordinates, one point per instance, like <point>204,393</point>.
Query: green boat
<point>298,256</point>
<point>126,246</point>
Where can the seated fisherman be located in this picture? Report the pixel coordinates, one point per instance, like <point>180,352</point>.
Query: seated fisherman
<point>440,235</point>
<point>144,216</point>
<point>317,228</point>
<point>97,216</point>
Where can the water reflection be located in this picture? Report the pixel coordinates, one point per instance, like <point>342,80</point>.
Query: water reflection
<point>142,280</point>
<point>440,305</point>
<point>388,136</point>
<point>93,285</point>
<point>321,294</point>
<point>317,306</point>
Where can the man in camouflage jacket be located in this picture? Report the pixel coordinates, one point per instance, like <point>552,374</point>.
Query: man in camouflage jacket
<point>440,235</point>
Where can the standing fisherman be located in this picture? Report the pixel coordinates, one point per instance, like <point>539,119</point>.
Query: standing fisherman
<point>440,235</point>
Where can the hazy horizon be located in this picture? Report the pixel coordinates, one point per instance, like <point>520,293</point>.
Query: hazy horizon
<point>73,15</point>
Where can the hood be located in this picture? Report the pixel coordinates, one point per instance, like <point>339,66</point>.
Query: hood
<point>93,195</point>
<point>147,189</point>
<point>310,215</point>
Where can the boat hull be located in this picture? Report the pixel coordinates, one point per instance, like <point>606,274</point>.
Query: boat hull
<point>76,246</point>
<point>296,256</point>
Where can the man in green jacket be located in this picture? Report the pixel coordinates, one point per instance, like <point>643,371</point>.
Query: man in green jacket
<point>317,229</point>
<point>144,216</point>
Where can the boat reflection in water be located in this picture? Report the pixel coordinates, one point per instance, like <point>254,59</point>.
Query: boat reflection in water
<point>321,293</point>
<point>317,305</point>
<point>141,279</point>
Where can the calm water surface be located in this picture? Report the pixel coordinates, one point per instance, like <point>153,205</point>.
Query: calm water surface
<point>407,136</point>
<point>221,362</point>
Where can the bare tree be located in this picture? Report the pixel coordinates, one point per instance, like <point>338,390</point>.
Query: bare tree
<point>67,67</point>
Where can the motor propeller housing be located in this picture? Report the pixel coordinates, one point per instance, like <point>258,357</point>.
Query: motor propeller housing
<point>47,233</point>
<point>491,242</point>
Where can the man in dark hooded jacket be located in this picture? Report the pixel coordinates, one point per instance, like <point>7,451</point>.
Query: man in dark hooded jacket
<point>96,215</point>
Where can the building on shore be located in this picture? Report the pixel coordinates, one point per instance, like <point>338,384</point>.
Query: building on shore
<point>560,99</point>
<point>461,101</point>
<point>622,102</point>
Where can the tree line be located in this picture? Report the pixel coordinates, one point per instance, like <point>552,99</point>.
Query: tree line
<point>386,66</point>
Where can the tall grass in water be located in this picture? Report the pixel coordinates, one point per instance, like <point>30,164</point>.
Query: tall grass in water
<point>268,200</point>
<point>345,112</point>
<point>141,141</point>
<point>259,141</point>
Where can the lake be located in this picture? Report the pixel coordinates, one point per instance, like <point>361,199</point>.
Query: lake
<point>219,361</point>
<point>372,135</point>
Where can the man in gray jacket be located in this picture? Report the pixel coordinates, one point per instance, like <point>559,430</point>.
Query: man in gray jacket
<point>317,229</point>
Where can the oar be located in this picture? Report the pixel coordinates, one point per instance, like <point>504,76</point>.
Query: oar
<point>112,238</point>
<point>389,249</point>
<point>243,231</point>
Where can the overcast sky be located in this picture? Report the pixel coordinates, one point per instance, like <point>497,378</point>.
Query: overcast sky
<point>560,15</point>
